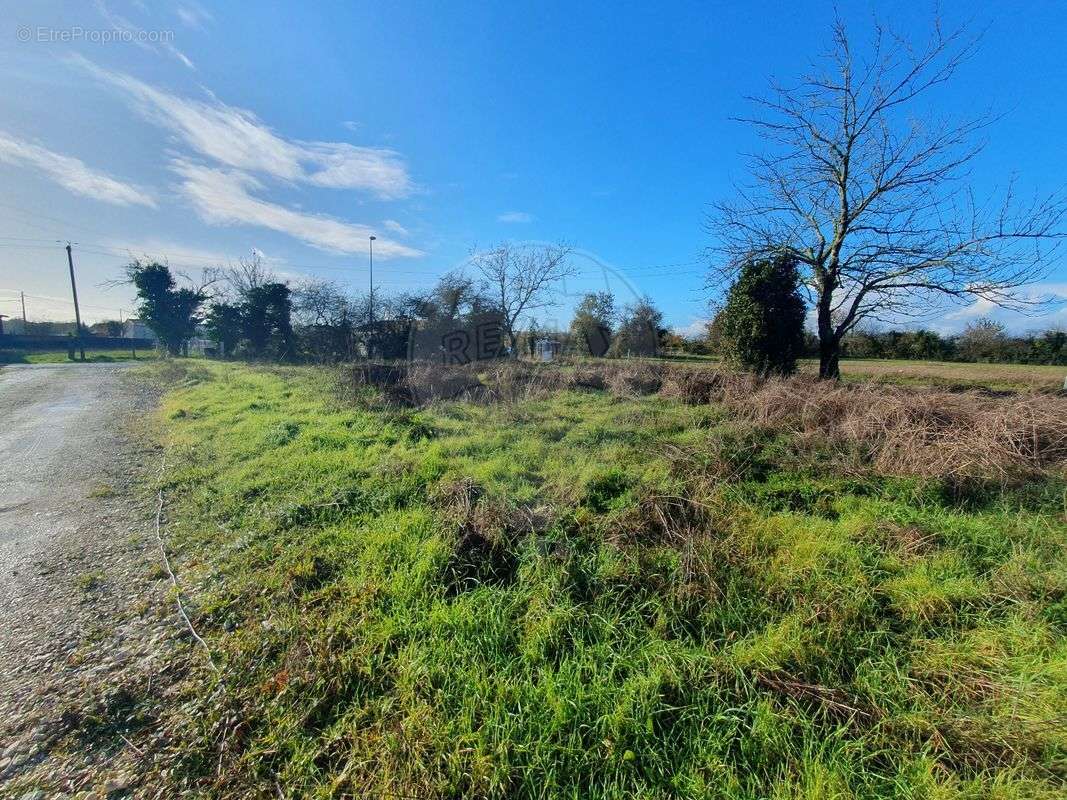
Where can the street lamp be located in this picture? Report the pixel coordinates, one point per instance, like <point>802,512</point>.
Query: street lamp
<point>370,339</point>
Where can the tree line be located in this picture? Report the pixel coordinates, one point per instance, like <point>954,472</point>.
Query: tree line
<point>760,327</point>
<point>983,340</point>
<point>858,207</point>
<point>248,313</point>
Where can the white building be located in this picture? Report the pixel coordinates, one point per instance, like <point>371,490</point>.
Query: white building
<point>547,349</point>
<point>136,329</point>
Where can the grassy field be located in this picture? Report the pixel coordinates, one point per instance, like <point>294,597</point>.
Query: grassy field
<point>952,373</point>
<point>598,592</point>
<point>933,373</point>
<point>60,356</point>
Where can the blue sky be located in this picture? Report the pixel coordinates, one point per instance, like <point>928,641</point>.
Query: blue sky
<point>299,129</point>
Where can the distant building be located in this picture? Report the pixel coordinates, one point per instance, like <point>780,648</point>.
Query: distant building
<point>110,328</point>
<point>201,346</point>
<point>547,349</point>
<point>136,329</point>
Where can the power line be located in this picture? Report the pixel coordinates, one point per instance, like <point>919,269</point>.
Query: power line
<point>28,246</point>
<point>419,276</point>
<point>105,249</point>
<point>635,271</point>
<point>32,214</point>
<point>27,239</point>
<point>51,299</point>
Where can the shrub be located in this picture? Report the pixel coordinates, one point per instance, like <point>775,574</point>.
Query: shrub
<point>762,323</point>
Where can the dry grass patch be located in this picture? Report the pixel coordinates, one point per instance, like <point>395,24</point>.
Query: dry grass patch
<point>920,432</point>
<point>892,429</point>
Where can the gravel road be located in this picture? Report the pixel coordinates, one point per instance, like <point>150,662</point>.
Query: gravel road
<point>59,424</point>
<point>84,616</point>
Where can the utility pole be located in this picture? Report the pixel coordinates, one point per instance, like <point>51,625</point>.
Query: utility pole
<point>370,340</point>
<point>22,297</point>
<point>77,313</point>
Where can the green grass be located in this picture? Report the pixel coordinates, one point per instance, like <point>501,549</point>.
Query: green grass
<point>950,374</point>
<point>565,598</point>
<point>998,377</point>
<point>60,356</point>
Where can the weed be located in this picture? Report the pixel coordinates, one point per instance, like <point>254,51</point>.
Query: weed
<point>89,581</point>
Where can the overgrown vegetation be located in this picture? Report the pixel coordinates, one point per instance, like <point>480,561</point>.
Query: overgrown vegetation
<point>762,321</point>
<point>172,312</point>
<point>615,582</point>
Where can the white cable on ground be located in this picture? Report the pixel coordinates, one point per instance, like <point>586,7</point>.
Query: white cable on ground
<point>170,572</point>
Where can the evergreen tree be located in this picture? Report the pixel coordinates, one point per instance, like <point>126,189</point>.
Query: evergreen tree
<point>267,315</point>
<point>224,325</point>
<point>171,313</point>
<point>762,322</point>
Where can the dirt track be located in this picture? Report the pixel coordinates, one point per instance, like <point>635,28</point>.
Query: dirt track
<point>60,423</point>
<point>81,611</point>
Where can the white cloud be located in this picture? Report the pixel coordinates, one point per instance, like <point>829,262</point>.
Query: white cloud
<point>72,173</point>
<point>695,329</point>
<point>515,216</point>
<point>979,308</point>
<point>194,15</point>
<point>1049,310</point>
<point>395,227</point>
<point>142,38</point>
<point>1055,290</point>
<point>237,138</point>
<point>345,166</point>
<point>1038,293</point>
<point>223,197</point>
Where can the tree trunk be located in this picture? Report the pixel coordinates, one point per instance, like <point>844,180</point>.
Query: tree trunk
<point>513,342</point>
<point>829,359</point>
<point>829,341</point>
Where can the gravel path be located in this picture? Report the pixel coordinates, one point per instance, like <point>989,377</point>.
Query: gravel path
<point>85,617</point>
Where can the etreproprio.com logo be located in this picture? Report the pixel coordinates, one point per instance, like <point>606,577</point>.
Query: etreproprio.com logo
<point>45,35</point>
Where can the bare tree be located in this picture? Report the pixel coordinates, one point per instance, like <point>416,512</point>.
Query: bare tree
<point>249,273</point>
<point>521,279</point>
<point>873,202</point>
<point>454,295</point>
<point>319,302</point>
<point>983,339</point>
